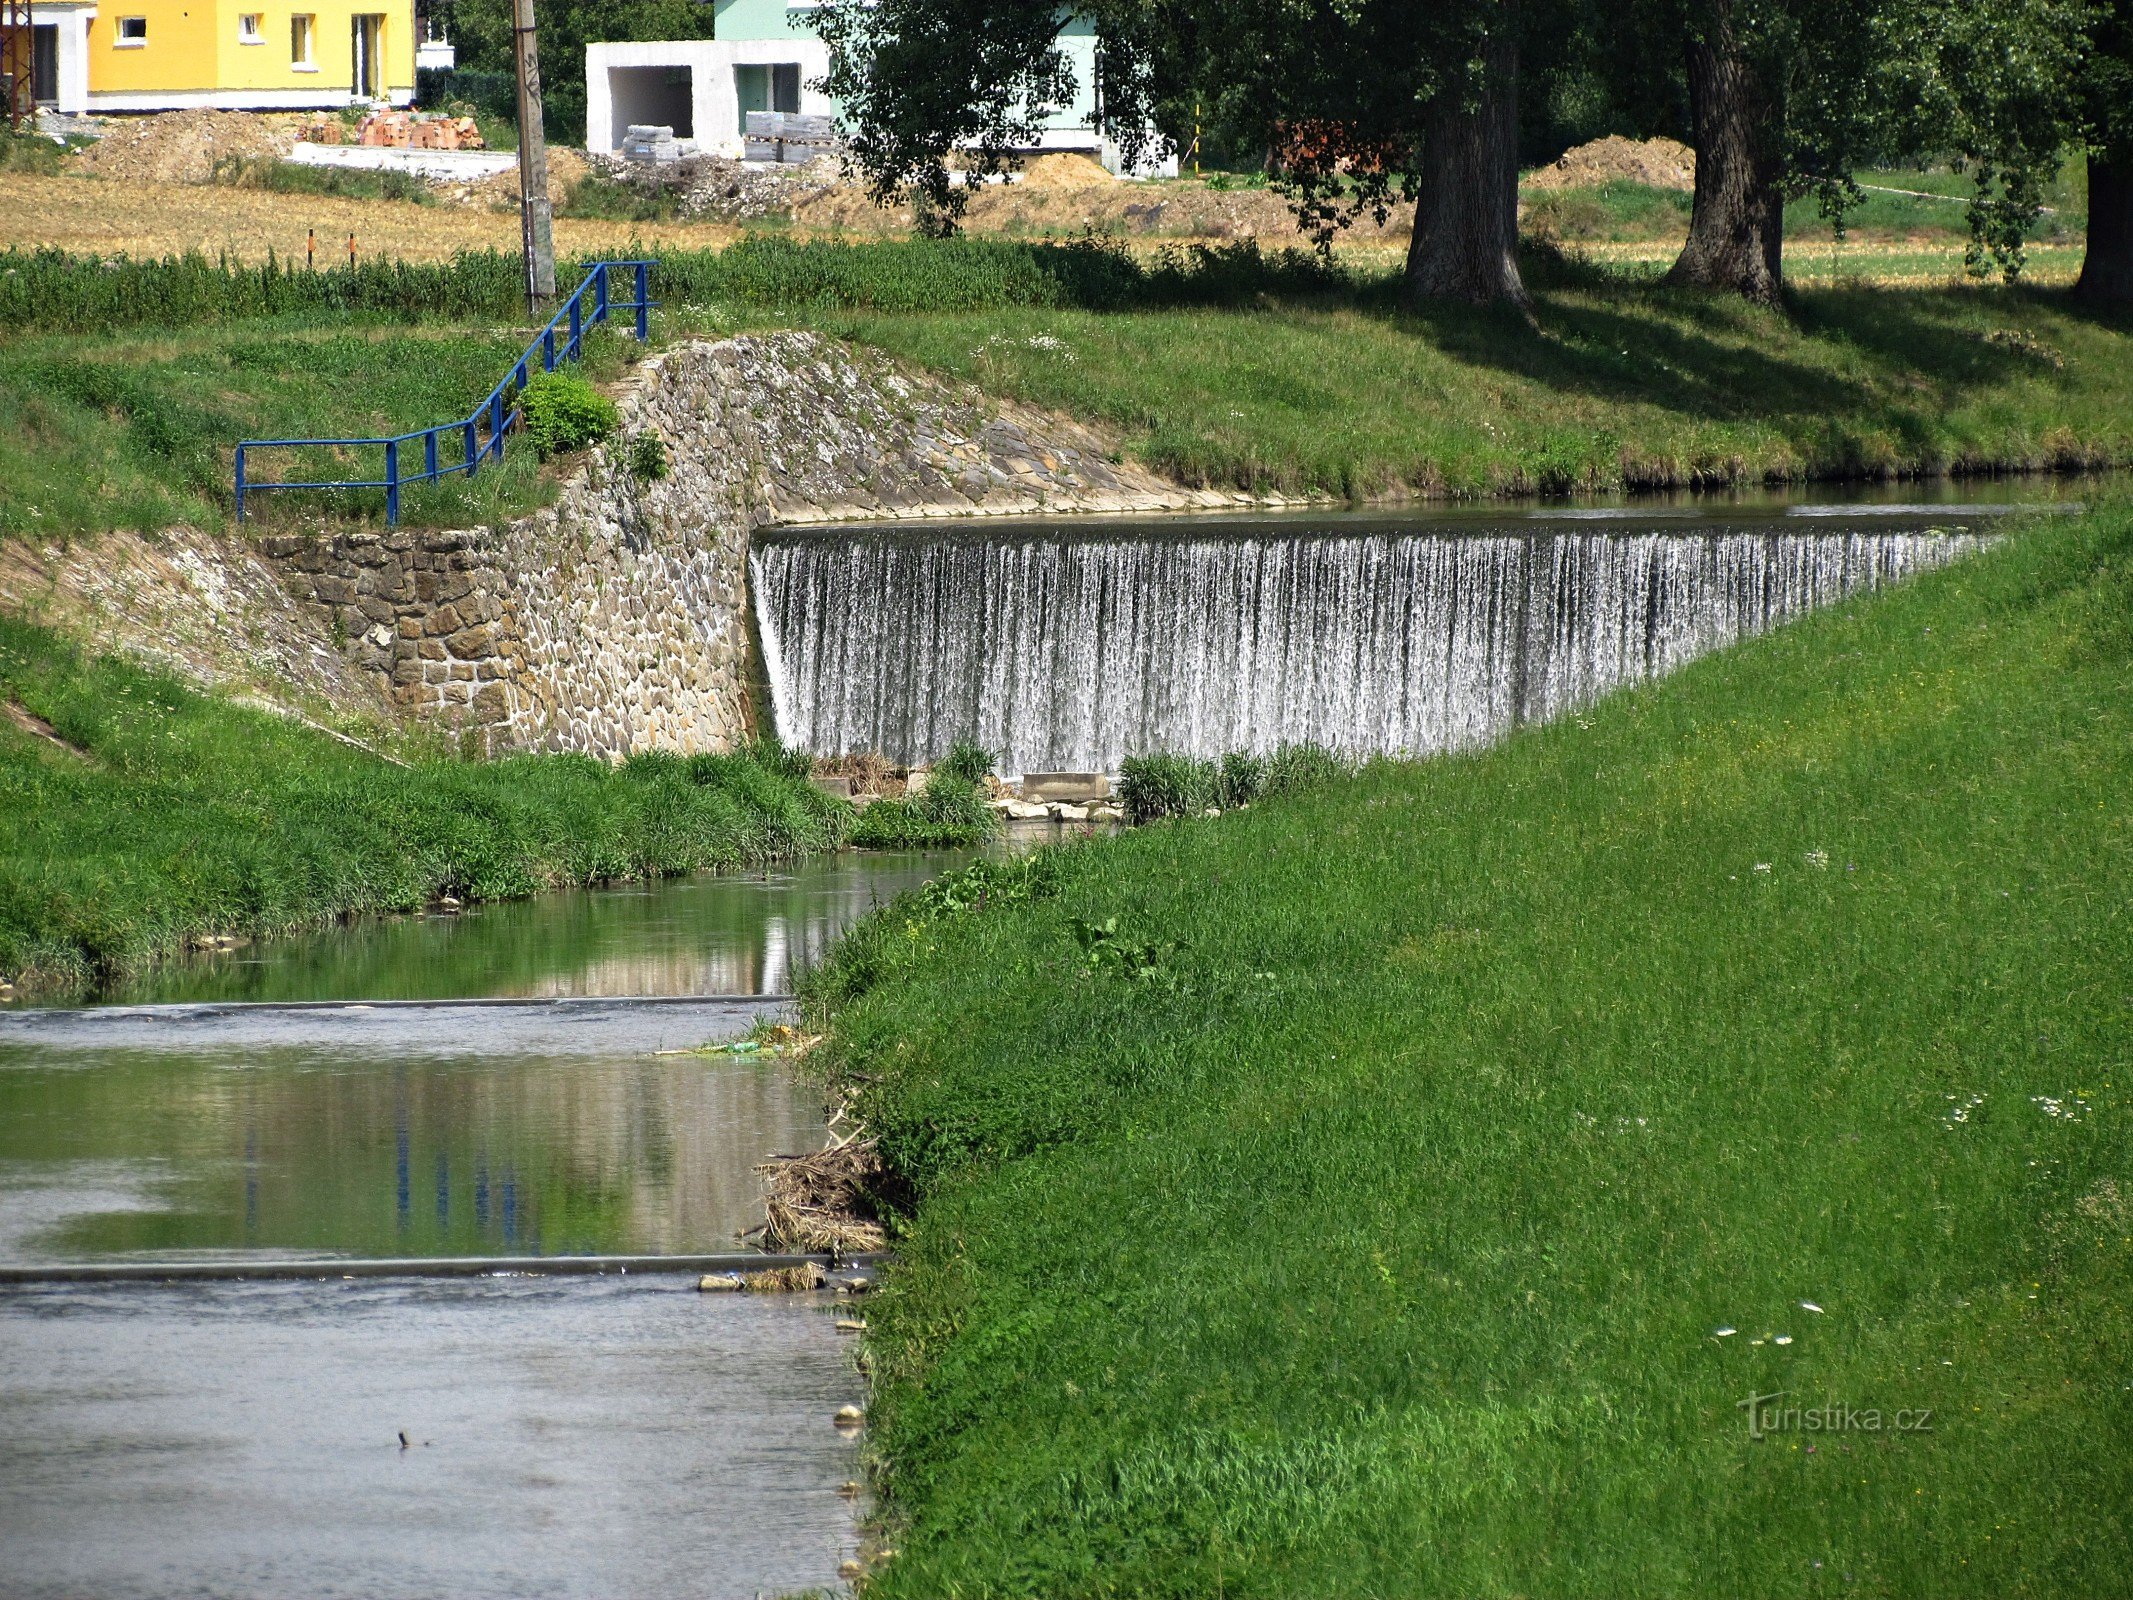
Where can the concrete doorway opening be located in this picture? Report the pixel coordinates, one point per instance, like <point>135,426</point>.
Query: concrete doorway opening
<point>651,97</point>
<point>771,86</point>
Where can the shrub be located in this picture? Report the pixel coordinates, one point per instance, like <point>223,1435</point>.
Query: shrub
<point>563,411</point>
<point>1239,778</point>
<point>1296,767</point>
<point>648,457</point>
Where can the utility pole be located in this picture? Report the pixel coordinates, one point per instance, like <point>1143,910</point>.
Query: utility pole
<point>536,220</point>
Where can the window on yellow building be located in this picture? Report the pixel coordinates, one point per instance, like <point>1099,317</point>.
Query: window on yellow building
<point>248,28</point>
<point>300,35</point>
<point>132,32</point>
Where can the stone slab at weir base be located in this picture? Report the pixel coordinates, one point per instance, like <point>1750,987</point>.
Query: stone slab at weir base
<point>616,620</point>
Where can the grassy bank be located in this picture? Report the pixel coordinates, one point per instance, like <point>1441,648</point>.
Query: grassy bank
<point>158,815</point>
<point>1378,1225</point>
<point>1611,385</point>
<point>1230,368</point>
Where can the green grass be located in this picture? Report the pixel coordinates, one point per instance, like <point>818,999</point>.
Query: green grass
<point>182,815</point>
<point>1611,385</point>
<point>1221,367</point>
<point>135,429</point>
<point>1366,1230</point>
<point>295,177</point>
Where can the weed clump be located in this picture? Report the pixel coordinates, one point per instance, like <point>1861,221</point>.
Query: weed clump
<point>1152,787</point>
<point>950,810</point>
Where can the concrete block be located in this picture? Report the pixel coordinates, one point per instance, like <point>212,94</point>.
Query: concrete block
<point>1074,787</point>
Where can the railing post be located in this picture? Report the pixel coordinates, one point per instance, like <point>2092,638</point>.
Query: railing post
<point>496,424</point>
<point>240,483</point>
<point>577,322</point>
<point>392,483</point>
<point>644,301</point>
<point>548,348</point>
<point>429,455</point>
<point>600,292</point>
<point>470,445</point>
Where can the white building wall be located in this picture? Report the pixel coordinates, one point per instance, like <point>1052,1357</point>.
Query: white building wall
<point>71,94</point>
<point>714,100</point>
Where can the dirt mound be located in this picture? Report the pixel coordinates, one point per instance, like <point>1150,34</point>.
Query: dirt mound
<point>183,146</point>
<point>1065,170</point>
<point>1660,163</point>
<point>565,167</point>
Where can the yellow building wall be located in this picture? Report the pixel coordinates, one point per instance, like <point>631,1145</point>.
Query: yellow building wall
<point>195,49</point>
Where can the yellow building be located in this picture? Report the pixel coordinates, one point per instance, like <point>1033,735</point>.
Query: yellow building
<point>161,55</point>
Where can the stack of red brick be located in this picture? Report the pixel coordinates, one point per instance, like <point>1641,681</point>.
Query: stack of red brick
<point>401,130</point>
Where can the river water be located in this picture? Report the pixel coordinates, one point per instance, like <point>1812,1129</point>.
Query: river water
<point>339,1096</point>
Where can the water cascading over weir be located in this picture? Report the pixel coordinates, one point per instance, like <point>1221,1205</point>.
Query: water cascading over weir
<point>1064,650</point>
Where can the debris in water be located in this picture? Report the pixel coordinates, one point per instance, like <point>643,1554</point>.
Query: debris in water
<point>720,1283</point>
<point>818,1203</point>
<point>786,1280</point>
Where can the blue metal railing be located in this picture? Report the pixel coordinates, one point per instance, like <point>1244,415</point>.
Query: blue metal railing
<point>470,445</point>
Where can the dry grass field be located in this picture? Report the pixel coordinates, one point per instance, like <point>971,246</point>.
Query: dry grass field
<point>98,217</point>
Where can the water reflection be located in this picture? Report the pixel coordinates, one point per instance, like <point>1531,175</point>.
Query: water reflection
<point>715,934</point>
<point>136,1154</point>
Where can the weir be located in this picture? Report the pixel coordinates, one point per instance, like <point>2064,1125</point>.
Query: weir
<point>1067,649</point>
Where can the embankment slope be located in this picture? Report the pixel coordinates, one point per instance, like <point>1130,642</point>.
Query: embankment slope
<point>1483,1131</point>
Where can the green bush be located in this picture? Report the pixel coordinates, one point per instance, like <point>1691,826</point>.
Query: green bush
<point>648,457</point>
<point>950,810</point>
<point>563,411</point>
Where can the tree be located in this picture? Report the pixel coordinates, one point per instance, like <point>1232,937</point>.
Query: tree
<point>1782,100</point>
<point>1997,84</point>
<point>2107,106</point>
<point>1361,104</point>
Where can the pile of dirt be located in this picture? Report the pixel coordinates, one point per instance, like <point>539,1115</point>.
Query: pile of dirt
<point>1658,163</point>
<point>183,146</point>
<point>1065,170</point>
<point>565,168</point>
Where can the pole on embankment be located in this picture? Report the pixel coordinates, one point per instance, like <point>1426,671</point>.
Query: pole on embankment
<point>536,220</point>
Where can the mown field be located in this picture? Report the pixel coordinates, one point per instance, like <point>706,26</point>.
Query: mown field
<point>1230,367</point>
<point>1397,1188</point>
<point>137,816</point>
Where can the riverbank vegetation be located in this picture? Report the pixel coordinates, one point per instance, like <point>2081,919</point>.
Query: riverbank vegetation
<point>138,816</point>
<point>1397,1187</point>
<point>1279,374</point>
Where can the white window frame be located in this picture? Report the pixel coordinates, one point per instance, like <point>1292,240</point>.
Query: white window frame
<point>308,61</point>
<point>248,29</point>
<point>125,41</point>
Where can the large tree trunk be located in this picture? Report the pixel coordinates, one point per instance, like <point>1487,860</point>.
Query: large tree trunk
<point>1466,221</point>
<point>1736,230</point>
<point>2107,264</point>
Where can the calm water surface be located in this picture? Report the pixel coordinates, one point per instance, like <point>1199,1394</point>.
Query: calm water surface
<point>572,1436</point>
<point>595,1437</point>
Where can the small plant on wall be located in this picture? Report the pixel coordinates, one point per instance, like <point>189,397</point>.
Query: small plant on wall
<point>648,457</point>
